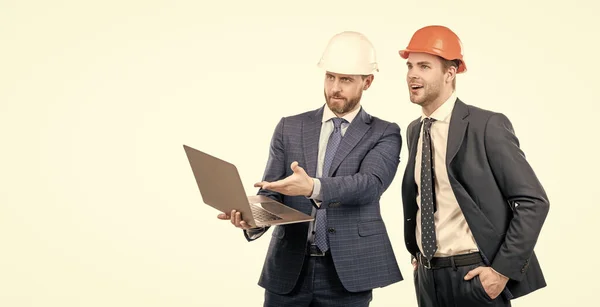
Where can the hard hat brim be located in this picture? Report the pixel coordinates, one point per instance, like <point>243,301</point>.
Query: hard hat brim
<point>462,67</point>
<point>404,53</point>
<point>346,71</point>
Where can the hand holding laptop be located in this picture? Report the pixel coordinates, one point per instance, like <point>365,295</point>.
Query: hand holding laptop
<point>221,188</point>
<point>236,219</point>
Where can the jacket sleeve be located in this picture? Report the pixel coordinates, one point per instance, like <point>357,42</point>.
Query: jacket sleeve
<point>523,192</point>
<point>376,173</point>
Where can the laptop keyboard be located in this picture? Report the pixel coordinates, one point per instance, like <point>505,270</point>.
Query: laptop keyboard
<point>262,214</point>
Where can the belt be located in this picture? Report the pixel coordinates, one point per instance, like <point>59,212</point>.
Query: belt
<point>451,261</point>
<point>313,250</point>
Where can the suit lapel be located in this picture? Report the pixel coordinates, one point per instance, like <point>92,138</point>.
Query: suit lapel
<point>414,141</point>
<point>456,133</point>
<point>311,130</point>
<point>357,129</point>
<point>409,185</point>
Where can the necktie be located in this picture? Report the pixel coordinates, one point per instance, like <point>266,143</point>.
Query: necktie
<point>428,240</point>
<point>321,218</point>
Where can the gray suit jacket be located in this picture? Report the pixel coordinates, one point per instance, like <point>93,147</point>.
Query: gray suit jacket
<point>363,168</point>
<point>500,196</point>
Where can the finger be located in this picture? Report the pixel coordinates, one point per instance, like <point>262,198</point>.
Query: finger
<point>277,186</point>
<point>296,168</point>
<point>245,225</point>
<point>260,184</point>
<point>238,219</point>
<point>232,217</point>
<point>223,216</point>
<point>294,165</point>
<point>474,272</point>
<point>300,171</point>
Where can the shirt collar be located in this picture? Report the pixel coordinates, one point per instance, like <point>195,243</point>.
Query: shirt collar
<point>443,112</point>
<point>328,114</point>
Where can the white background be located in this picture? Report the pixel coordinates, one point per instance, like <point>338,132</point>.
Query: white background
<point>98,205</point>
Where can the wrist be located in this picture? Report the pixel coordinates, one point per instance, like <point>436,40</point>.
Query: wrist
<point>310,187</point>
<point>499,274</point>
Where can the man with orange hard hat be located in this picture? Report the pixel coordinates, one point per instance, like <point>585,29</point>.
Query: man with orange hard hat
<point>473,206</point>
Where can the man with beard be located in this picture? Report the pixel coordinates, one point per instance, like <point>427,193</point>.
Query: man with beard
<point>334,162</point>
<point>473,206</point>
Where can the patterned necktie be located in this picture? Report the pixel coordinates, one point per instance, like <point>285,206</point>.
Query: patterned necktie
<point>321,218</point>
<point>428,240</point>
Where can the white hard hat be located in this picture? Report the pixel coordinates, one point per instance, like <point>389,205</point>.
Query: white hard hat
<point>349,53</point>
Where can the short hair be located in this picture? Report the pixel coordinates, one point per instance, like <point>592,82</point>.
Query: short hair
<point>446,64</point>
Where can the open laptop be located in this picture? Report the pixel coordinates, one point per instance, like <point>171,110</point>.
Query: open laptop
<point>221,188</point>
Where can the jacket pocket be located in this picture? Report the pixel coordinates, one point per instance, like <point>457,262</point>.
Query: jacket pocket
<point>370,228</point>
<point>479,286</point>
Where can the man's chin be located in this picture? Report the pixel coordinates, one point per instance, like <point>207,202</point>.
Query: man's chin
<point>336,106</point>
<point>416,100</point>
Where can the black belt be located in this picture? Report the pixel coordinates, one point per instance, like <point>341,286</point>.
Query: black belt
<point>313,250</point>
<point>452,261</point>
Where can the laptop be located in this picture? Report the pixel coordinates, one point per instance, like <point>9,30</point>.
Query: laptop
<point>221,188</point>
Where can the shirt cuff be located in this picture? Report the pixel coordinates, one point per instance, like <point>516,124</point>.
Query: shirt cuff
<point>255,233</point>
<point>316,195</point>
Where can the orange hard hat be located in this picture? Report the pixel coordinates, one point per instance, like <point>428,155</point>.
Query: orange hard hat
<point>436,40</point>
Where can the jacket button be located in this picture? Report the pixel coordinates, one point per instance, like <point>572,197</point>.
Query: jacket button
<point>331,230</point>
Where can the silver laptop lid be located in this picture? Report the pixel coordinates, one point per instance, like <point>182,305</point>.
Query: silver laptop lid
<point>219,183</point>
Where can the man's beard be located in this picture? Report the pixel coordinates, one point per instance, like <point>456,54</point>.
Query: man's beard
<point>342,107</point>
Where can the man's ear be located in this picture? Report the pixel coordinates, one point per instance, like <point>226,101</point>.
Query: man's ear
<point>368,81</point>
<point>451,74</point>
